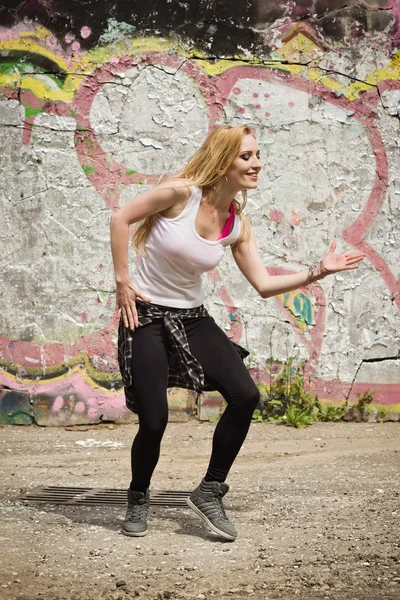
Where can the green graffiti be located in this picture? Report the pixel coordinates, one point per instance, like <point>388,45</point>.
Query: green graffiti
<point>300,307</point>
<point>31,111</point>
<point>116,31</point>
<point>88,170</point>
<point>21,67</point>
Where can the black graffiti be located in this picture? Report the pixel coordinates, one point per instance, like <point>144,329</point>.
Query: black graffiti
<point>219,27</point>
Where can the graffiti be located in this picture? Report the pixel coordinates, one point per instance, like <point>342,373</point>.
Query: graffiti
<point>95,125</point>
<point>300,307</point>
<point>221,28</point>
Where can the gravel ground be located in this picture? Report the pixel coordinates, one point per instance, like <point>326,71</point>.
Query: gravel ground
<point>317,512</point>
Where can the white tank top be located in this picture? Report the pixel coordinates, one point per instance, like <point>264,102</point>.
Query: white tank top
<point>177,256</point>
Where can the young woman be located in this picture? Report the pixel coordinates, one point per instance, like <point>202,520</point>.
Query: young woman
<point>166,337</point>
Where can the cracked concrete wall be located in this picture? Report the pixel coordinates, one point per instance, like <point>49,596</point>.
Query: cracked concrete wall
<point>95,108</point>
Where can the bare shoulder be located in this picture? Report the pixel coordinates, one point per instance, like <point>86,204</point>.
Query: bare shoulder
<point>175,186</point>
<point>179,191</point>
<point>168,198</point>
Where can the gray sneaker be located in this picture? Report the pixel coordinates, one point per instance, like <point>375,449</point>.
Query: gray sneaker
<point>135,523</point>
<point>206,501</point>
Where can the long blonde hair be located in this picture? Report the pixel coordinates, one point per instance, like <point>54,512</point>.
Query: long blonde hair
<point>205,169</point>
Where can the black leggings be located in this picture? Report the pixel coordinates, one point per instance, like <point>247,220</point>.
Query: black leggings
<point>222,367</point>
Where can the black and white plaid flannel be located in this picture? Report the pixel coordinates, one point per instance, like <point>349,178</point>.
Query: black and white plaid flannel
<point>184,370</point>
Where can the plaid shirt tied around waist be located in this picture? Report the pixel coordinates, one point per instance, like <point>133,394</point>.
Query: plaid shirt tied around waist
<point>184,370</point>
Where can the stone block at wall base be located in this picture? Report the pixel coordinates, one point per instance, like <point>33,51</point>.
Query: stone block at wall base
<point>181,404</point>
<point>15,407</point>
<point>211,406</point>
<point>68,408</point>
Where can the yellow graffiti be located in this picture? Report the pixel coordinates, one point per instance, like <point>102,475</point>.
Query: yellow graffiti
<point>33,42</point>
<point>391,72</point>
<point>133,48</point>
<point>38,31</point>
<point>33,83</point>
<point>77,361</point>
<point>300,307</point>
<point>301,43</point>
<point>76,370</point>
<point>299,47</point>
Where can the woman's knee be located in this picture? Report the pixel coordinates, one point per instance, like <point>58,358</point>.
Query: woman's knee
<point>247,398</point>
<point>253,398</point>
<point>153,427</point>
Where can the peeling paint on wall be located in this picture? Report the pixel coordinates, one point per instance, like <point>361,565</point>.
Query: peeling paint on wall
<point>85,124</point>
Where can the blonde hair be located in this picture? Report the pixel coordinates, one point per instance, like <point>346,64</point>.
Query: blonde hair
<point>205,169</point>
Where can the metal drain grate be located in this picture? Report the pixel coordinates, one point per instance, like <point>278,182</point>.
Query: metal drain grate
<point>88,496</point>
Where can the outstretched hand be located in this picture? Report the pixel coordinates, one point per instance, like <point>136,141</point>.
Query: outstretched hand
<point>333,263</point>
<point>126,295</point>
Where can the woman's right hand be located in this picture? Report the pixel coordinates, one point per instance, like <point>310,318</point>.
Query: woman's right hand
<point>126,295</point>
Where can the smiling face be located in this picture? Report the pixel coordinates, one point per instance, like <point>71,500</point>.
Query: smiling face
<point>243,172</point>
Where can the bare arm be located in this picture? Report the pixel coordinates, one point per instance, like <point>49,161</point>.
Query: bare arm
<point>249,262</point>
<point>149,203</point>
<point>156,200</point>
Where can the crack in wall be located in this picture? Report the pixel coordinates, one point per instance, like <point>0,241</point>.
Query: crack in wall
<point>381,359</point>
<point>387,108</point>
<point>330,13</point>
<point>362,6</point>
<point>365,361</point>
<point>129,84</point>
<point>270,62</point>
<point>247,25</point>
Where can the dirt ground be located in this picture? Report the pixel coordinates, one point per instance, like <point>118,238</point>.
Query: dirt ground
<point>317,512</point>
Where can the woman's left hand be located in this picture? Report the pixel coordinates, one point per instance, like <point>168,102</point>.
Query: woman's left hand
<point>333,263</point>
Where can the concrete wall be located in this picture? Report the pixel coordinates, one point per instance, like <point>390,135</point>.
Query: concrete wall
<point>98,101</point>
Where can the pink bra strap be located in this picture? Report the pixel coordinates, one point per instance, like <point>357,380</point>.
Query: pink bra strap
<point>228,225</point>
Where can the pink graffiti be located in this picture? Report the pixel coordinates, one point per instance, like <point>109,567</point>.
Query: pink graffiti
<point>364,113</point>
<point>313,340</point>
<point>57,404</point>
<point>109,178</point>
<point>95,401</point>
<point>85,32</point>
<point>236,330</point>
<point>99,344</point>
<point>297,14</point>
<point>296,219</point>
<point>384,393</point>
<point>276,215</point>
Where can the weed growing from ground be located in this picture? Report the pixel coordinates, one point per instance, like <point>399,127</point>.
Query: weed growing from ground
<point>285,400</point>
<point>360,411</point>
